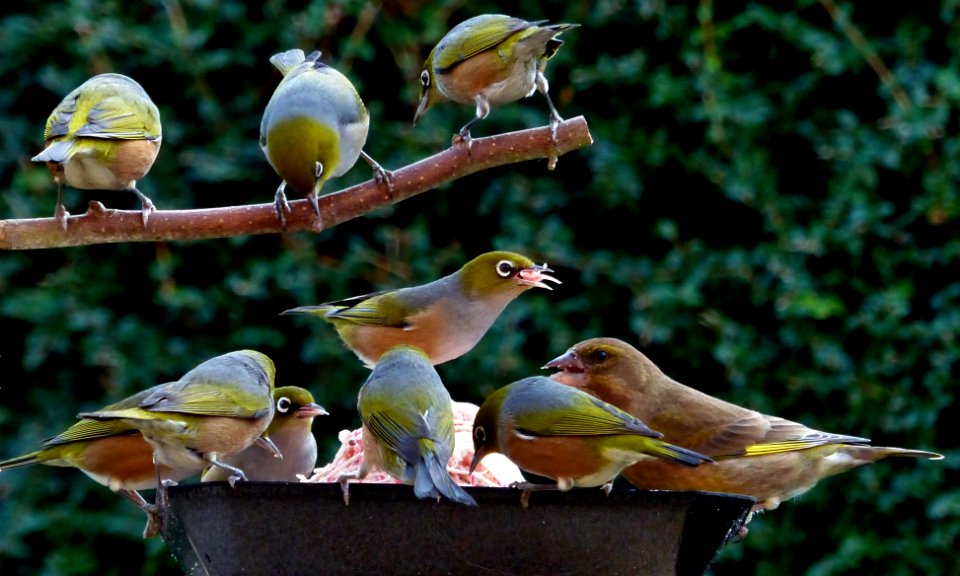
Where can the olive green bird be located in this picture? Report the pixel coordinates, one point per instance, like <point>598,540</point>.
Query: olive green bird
<point>313,128</point>
<point>444,318</point>
<point>217,409</point>
<point>290,431</point>
<point>569,436</point>
<point>407,430</point>
<point>490,60</point>
<point>104,135</point>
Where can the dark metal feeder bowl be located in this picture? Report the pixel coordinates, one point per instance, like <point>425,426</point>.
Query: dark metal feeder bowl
<point>281,528</point>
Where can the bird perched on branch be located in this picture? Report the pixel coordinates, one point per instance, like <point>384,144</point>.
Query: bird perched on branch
<point>444,318</point>
<point>561,433</point>
<point>490,60</point>
<point>766,457</point>
<point>290,431</point>
<point>408,430</point>
<point>313,128</point>
<point>104,135</point>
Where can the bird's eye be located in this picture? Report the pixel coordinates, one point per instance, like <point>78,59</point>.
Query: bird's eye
<point>599,355</point>
<point>425,79</point>
<point>505,268</point>
<point>479,434</point>
<point>283,404</point>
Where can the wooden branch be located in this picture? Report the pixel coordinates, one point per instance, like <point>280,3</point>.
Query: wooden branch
<point>100,225</point>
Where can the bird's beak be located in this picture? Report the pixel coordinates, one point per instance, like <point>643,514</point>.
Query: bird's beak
<point>477,457</point>
<point>534,276</point>
<point>267,444</point>
<point>310,410</point>
<point>422,106</point>
<point>568,362</point>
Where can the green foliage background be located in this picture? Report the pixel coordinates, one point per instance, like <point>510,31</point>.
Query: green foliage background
<point>759,212</point>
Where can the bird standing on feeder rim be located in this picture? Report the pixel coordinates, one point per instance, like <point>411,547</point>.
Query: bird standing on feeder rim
<point>561,433</point>
<point>768,458</point>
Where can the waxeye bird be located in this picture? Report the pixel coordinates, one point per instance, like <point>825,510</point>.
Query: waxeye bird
<point>294,411</point>
<point>217,409</point>
<point>313,128</point>
<point>766,457</point>
<point>112,453</point>
<point>561,433</point>
<point>490,60</point>
<point>104,135</point>
<point>444,318</point>
<point>407,431</point>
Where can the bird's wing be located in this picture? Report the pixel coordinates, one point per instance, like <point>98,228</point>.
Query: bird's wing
<point>205,400</point>
<point>90,430</point>
<point>757,434</point>
<point>113,118</point>
<point>477,40</point>
<point>399,437</point>
<point>586,416</point>
<point>58,124</point>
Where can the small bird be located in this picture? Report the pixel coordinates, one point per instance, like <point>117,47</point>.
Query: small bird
<point>217,409</point>
<point>766,457</point>
<point>561,433</point>
<point>112,453</point>
<point>445,318</point>
<point>294,411</point>
<point>105,135</point>
<point>313,128</point>
<point>489,60</point>
<point>408,432</point>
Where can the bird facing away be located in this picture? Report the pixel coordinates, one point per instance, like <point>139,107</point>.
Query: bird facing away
<point>313,128</point>
<point>444,318</point>
<point>490,60</point>
<point>290,431</point>
<point>561,433</point>
<point>104,135</point>
<point>408,429</point>
<point>766,457</point>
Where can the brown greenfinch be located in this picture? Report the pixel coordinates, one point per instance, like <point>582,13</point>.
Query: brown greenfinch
<point>766,457</point>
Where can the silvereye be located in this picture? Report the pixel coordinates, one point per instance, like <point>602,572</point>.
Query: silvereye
<point>314,127</point>
<point>489,60</point>
<point>104,135</point>
<point>407,417</point>
<point>766,457</point>
<point>219,408</point>
<point>445,318</point>
<point>294,410</point>
<point>567,435</point>
<point>111,452</point>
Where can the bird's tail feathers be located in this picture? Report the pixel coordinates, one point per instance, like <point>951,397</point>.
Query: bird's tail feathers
<point>673,453</point>
<point>19,461</point>
<point>874,453</point>
<point>440,479</point>
<point>58,152</point>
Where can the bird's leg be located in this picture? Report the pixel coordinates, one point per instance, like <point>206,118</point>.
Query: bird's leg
<point>280,205</point>
<point>543,86</point>
<point>344,481</point>
<point>314,195</point>
<point>267,444</point>
<point>236,473</point>
<point>529,487</point>
<point>483,108</point>
<point>60,212</point>
<point>146,205</point>
<point>381,175</point>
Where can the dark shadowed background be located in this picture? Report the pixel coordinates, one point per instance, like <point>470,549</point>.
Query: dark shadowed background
<point>769,211</point>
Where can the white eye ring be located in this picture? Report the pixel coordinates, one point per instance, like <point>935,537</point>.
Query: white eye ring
<point>425,79</point>
<point>505,268</point>
<point>283,404</point>
<point>480,434</point>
